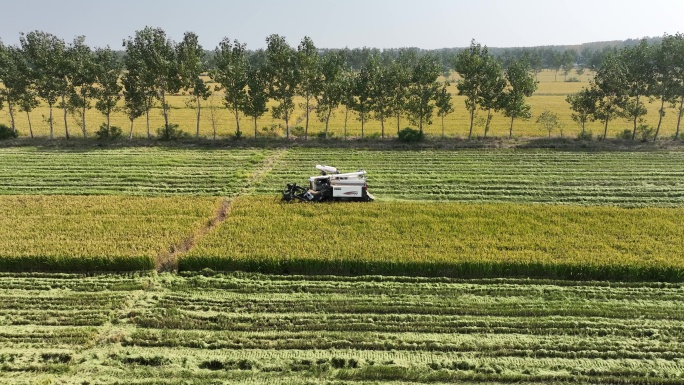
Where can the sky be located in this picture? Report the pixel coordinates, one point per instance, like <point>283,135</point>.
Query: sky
<point>427,24</point>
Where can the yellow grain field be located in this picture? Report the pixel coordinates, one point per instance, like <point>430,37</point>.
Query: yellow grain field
<point>550,95</point>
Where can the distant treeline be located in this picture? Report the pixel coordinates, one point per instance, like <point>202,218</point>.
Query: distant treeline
<point>376,84</point>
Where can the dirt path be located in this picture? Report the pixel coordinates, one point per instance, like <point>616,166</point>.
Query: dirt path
<point>168,260</point>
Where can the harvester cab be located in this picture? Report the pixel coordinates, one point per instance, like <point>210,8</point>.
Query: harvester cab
<point>331,185</point>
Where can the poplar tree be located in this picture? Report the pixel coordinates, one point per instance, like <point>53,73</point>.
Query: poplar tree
<point>151,60</point>
<point>257,97</point>
<point>423,90</point>
<point>283,77</point>
<point>82,79</point>
<point>108,70</point>
<point>230,72</point>
<point>470,64</point>
<point>191,64</point>
<point>398,79</point>
<point>311,77</point>
<point>521,85</point>
<point>444,104</point>
<point>361,92</point>
<point>381,92</point>
<point>583,104</point>
<point>492,86</point>
<point>639,78</point>
<point>138,92</point>
<point>17,91</point>
<point>44,53</point>
<point>669,76</point>
<point>332,87</point>
<point>15,79</point>
<point>609,86</point>
<point>138,99</point>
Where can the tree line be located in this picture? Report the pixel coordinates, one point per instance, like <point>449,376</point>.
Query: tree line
<point>385,85</point>
<point>628,78</point>
<point>75,78</point>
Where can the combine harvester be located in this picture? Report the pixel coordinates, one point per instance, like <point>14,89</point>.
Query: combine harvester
<point>331,186</point>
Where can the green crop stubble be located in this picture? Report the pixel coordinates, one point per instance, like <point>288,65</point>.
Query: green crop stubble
<point>449,239</point>
<point>251,328</point>
<point>129,171</point>
<point>517,176</point>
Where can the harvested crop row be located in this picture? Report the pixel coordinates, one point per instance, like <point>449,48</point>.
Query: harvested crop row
<point>250,328</point>
<point>446,239</point>
<point>518,176</point>
<point>130,171</point>
<point>115,233</point>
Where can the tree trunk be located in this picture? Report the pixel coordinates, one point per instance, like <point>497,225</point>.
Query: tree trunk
<point>83,122</point>
<point>166,113</point>
<point>108,120</point>
<point>66,124</point>
<point>213,120</point>
<point>130,133</point>
<point>583,124</point>
<point>199,115</point>
<point>442,127</point>
<point>660,118</point>
<point>679,118</point>
<point>327,121</point>
<point>306,126</point>
<point>398,123</point>
<point>287,125</point>
<point>489,120</point>
<point>382,124</point>
<point>346,116</point>
<point>11,113</point>
<point>605,129</point>
<point>147,117</point>
<point>635,128</point>
<point>236,111</point>
<point>635,120</point>
<point>255,129</point>
<point>52,131</point>
<point>363,121</point>
<point>28,116</point>
<point>510,130</point>
<point>472,120</point>
<point>420,124</point>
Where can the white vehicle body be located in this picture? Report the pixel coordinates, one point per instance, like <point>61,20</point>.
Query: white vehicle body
<point>332,185</point>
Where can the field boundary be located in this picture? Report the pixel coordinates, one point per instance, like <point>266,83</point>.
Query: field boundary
<point>168,260</point>
<point>431,142</point>
<point>456,270</point>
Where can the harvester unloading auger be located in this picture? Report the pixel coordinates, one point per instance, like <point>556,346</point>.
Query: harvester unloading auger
<point>331,186</point>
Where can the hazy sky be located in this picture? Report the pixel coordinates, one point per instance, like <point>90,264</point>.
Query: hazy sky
<point>350,23</point>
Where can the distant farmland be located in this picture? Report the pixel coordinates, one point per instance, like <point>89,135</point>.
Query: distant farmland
<point>550,95</point>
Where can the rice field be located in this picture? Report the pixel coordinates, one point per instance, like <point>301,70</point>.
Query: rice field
<point>446,239</point>
<point>522,266</point>
<point>261,329</point>
<point>96,233</point>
